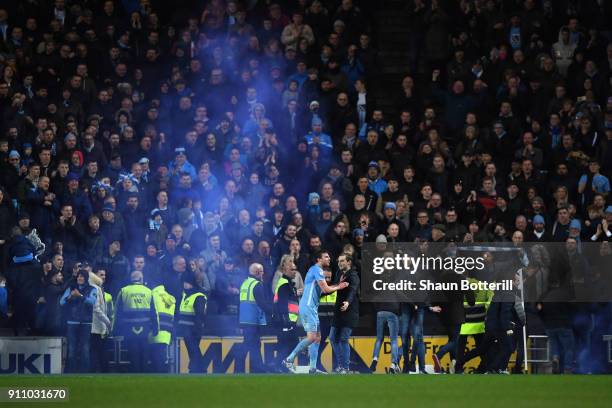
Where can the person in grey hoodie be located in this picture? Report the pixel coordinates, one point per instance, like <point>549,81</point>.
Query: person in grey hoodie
<point>563,51</point>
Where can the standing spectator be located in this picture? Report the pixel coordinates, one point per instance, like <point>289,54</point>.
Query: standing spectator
<point>78,301</point>
<point>346,313</point>
<point>101,324</point>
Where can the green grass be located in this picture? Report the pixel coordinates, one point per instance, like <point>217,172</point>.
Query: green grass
<point>354,391</point>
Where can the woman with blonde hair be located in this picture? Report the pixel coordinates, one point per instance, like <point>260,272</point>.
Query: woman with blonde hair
<point>287,263</point>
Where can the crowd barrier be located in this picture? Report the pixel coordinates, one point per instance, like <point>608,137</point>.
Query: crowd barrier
<point>222,355</point>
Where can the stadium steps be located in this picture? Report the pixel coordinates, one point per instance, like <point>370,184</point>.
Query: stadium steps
<point>392,43</point>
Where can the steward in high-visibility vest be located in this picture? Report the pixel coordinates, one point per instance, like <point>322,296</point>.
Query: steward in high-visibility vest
<point>192,311</point>
<point>165,305</point>
<point>136,319</point>
<point>191,314</point>
<point>252,316</point>
<point>327,304</point>
<point>286,305</point>
<point>250,312</point>
<point>286,309</point>
<point>135,313</point>
<point>474,326</point>
<point>475,315</point>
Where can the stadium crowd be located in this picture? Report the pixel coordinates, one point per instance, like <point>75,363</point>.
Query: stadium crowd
<point>176,150</point>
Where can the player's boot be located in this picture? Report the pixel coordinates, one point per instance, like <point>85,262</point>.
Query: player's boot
<point>289,365</point>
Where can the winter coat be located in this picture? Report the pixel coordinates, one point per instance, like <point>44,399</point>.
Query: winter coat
<point>350,317</point>
<point>100,323</point>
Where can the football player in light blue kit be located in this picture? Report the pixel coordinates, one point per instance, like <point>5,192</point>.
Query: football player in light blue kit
<point>314,286</point>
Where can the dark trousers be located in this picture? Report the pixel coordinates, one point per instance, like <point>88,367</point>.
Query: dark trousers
<point>495,351</point>
<point>137,347</point>
<point>517,344</point>
<point>196,362</point>
<point>462,356</point>
<point>251,347</point>
<point>451,346</point>
<point>324,327</point>
<point>78,348</point>
<point>287,339</point>
<point>99,353</point>
<point>159,357</point>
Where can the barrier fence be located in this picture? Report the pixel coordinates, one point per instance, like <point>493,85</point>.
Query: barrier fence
<point>223,355</point>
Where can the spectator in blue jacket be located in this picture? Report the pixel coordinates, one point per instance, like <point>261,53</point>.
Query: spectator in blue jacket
<point>78,301</point>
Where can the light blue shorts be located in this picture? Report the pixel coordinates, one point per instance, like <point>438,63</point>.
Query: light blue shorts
<point>310,321</point>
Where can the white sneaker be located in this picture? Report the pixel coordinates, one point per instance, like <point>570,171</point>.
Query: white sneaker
<point>451,368</point>
<point>289,365</point>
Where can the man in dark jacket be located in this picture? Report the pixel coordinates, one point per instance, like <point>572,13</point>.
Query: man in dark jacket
<point>452,316</point>
<point>53,289</point>
<point>69,232</point>
<point>499,328</point>
<point>43,207</point>
<point>112,227</point>
<point>557,319</point>
<point>23,280</point>
<point>346,313</point>
<point>116,266</point>
<point>135,222</point>
<point>93,242</point>
<point>76,198</point>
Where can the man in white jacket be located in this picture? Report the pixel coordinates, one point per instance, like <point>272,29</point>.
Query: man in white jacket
<point>563,51</point>
<point>100,326</point>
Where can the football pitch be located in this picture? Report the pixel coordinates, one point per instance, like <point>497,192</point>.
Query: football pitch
<point>291,391</point>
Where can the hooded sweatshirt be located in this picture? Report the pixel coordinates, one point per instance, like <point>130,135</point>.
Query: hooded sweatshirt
<point>100,323</point>
<point>563,53</point>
